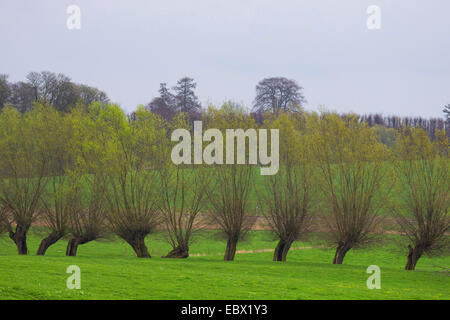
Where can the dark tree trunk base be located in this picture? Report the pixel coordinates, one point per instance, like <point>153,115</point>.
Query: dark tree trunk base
<point>72,247</point>
<point>230,251</point>
<point>178,253</point>
<point>414,255</point>
<point>74,242</point>
<point>281,250</point>
<point>47,242</point>
<point>20,239</point>
<point>139,247</point>
<point>341,251</point>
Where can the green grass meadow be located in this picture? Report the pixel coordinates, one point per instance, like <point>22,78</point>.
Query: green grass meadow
<point>109,270</point>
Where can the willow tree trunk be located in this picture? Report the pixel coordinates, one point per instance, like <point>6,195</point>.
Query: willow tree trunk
<point>74,242</point>
<point>341,250</point>
<point>51,239</point>
<point>139,247</point>
<point>414,255</point>
<point>181,252</point>
<point>230,251</point>
<point>72,247</point>
<point>20,238</point>
<point>281,250</point>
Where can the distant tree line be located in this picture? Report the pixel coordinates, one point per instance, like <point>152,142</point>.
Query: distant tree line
<point>47,87</point>
<point>428,125</point>
<point>273,95</point>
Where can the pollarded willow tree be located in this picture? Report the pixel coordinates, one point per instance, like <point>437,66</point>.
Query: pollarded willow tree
<point>130,164</point>
<point>86,222</point>
<point>287,199</point>
<point>183,191</point>
<point>229,201</point>
<point>352,171</point>
<point>61,195</point>
<point>422,168</point>
<point>59,200</point>
<point>25,159</point>
<point>231,184</point>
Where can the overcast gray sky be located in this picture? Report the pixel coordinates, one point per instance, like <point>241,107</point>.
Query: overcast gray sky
<point>127,47</point>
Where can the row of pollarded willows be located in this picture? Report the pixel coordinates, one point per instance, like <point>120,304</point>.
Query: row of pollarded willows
<point>87,172</point>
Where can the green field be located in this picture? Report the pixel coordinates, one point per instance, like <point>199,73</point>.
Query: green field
<point>109,270</point>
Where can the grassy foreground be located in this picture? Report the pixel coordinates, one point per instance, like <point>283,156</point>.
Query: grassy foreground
<point>109,270</point>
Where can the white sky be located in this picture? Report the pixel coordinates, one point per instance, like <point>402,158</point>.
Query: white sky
<point>127,47</point>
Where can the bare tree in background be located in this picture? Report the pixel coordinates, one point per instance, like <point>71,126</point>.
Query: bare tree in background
<point>446,111</point>
<point>50,88</point>
<point>423,170</point>
<point>90,94</point>
<point>55,89</point>
<point>185,98</point>
<point>5,90</point>
<point>278,94</point>
<point>164,105</point>
<point>22,96</point>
